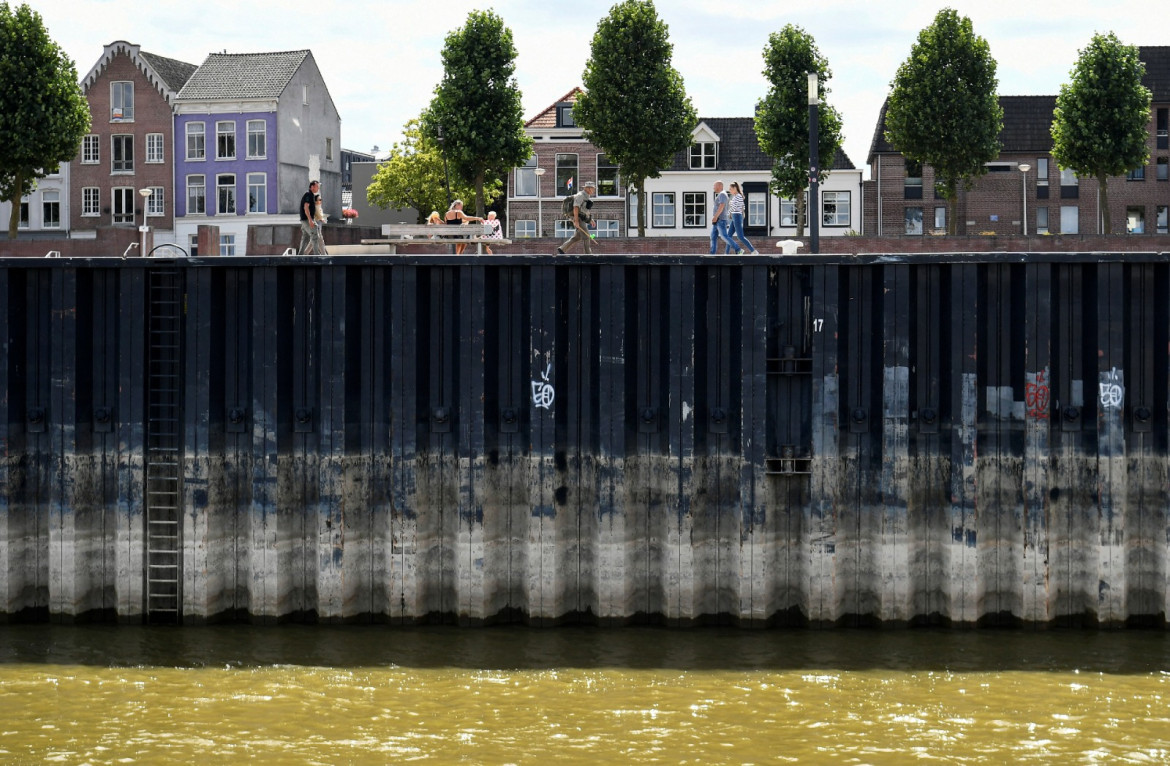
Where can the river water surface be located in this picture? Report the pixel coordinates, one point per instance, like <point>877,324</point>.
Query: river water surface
<point>308,695</point>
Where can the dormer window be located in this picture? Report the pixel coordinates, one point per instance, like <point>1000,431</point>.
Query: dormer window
<point>703,155</point>
<point>565,116</point>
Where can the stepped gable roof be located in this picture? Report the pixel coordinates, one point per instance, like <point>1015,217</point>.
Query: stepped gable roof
<point>547,118</point>
<point>165,74</point>
<point>739,149</point>
<point>174,73</point>
<point>1157,77</point>
<point>224,76</point>
<point>1027,126</point>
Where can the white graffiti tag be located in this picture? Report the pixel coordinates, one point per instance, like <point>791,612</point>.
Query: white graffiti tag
<point>543,392</point>
<point>1112,389</point>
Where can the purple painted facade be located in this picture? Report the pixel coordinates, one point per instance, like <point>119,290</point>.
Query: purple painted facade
<point>187,163</point>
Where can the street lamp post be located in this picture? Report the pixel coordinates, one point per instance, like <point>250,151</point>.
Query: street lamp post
<point>1024,168</point>
<point>814,233</point>
<point>539,205</point>
<point>144,228</point>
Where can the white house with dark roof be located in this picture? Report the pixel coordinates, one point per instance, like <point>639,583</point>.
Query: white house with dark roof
<point>726,149</point>
<point>251,131</point>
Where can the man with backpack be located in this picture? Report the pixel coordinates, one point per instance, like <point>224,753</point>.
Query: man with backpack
<point>578,206</point>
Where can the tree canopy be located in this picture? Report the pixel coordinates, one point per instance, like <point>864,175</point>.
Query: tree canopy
<point>782,115</point>
<point>43,113</point>
<point>944,110</point>
<point>413,176</point>
<point>635,106</point>
<point>477,105</point>
<point>1099,127</point>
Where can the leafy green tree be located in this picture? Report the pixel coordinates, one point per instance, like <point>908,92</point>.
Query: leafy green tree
<point>943,110</point>
<point>477,104</point>
<point>634,105</point>
<point>1099,127</point>
<point>43,113</point>
<point>413,176</point>
<point>782,115</point>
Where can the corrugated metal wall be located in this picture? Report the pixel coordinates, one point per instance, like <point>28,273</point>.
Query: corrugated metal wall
<point>917,439</point>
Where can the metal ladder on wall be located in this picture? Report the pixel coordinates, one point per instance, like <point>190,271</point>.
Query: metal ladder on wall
<point>164,503</point>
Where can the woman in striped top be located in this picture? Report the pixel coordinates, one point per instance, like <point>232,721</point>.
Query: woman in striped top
<point>735,208</point>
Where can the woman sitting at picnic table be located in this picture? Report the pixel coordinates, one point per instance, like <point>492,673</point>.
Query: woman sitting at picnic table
<point>492,229</point>
<point>456,217</point>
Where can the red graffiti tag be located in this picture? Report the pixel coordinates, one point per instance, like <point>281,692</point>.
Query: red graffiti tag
<point>1036,397</point>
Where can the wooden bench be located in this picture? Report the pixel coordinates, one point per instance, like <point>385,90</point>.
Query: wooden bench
<point>395,234</point>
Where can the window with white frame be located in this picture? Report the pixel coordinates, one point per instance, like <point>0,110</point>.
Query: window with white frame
<point>789,215</point>
<point>193,245</point>
<point>122,156</point>
<point>91,202</point>
<point>525,229</point>
<point>123,204</point>
<point>1070,219</point>
<point>227,244</point>
<point>607,177</point>
<point>526,178</point>
<point>633,215</point>
<point>1041,171</point>
<point>257,139</point>
<point>694,210</point>
<point>606,228</point>
<point>1163,221</point>
<point>121,101</point>
<point>225,193</point>
<point>91,153</point>
<point>662,210</point>
<point>757,209</point>
<point>1041,220</point>
<point>51,209</point>
<point>225,140</point>
<point>23,223</point>
<point>155,204</point>
<point>154,147</point>
<point>940,218</point>
<point>703,155</point>
<point>196,195</point>
<point>835,208</point>
<point>196,141</point>
<point>1135,220</point>
<point>913,218</point>
<point>563,228</point>
<point>567,180</point>
<point>257,192</point>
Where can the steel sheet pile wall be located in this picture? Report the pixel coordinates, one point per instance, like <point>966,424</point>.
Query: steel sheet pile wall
<point>686,440</point>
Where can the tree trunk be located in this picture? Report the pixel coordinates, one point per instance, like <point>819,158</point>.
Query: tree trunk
<point>801,213</point>
<point>480,207</point>
<point>641,206</point>
<point>1106,219</point>
<point>14,217</point>
<point>952,219</point>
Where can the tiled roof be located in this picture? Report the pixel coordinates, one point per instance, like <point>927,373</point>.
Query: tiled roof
<point>1157,79</point>
<point>1027,120</point>
<point>548,117</point>
<point>174,73</point>
<point>1027,126</point>
<point>739,149</point>
<point>242,75</point>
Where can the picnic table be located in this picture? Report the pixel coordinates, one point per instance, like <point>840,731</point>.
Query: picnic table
<point>395,234</point>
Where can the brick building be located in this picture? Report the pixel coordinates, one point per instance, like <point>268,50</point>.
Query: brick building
<point>562,159</point>
<point>1024,191</point>
<point>130,93</point>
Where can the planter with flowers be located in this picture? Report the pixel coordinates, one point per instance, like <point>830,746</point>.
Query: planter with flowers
<point>349,214</point>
